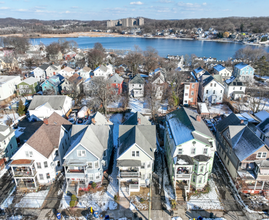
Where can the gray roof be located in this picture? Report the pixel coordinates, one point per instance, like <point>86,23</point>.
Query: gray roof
<point>133,120</point>
<point>94,138</point>
<point>2,129</point>
<point>30,80</point>
<point>264,127</point>
<point>232,119</point>
<point>183,123</point>
<point>144,136</point>
<point>138,79</point>
<point>100,119</point>
<point>128,163</point>
<point>207,80</point>
<point>116,79</point>
<point>44,66</point>
<point>54,101</point>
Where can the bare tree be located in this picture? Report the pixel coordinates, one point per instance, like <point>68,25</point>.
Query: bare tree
<point>151,98</point>
<point>151,59</point>
<point>250,53</point>
<point>102,93</point>
<point>99,46</point>
<point>95,58</point>
<point>133,59</point>
<point>20,44</point>
<point>53,49</point>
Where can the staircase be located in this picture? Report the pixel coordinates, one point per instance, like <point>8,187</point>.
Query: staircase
<point>124,191</point>
<point>180,194</point>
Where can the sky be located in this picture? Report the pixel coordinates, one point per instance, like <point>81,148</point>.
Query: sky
<point>116,9</point>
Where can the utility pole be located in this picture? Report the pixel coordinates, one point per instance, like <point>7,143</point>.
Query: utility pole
<point>150,181</point>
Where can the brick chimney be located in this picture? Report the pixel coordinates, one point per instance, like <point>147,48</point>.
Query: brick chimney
<point>93,120</point>
<point>46,121</point>
<point>139,121</point>
<point>198,118</point>
<point>242,121</point>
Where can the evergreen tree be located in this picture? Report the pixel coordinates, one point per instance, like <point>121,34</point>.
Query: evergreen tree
<point>21,108</point>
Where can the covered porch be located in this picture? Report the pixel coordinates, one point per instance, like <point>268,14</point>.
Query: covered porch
<point>129,168</point>
<point>24,173</point>
<point>128,186</point>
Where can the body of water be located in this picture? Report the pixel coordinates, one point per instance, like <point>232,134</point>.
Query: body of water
<point>221,51</point>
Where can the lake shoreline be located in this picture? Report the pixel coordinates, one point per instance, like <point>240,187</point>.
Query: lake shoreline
<point>101,34</point>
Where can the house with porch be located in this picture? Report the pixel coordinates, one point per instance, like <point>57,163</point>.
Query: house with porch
<point>244,72</point>
<point>52,70</point>
<point>88,156</point>
<point>243,153</point>
<point>190,148</point>
<point>40,159</point>
<point>135,157</point>
<point>234,88</point>
<point>40,72</point>
<point>221,70</point>
<point>72,84</point>
<point>104,71</point>
<point>136,86</point>
<point>85,73</point>
<point>66,72</point>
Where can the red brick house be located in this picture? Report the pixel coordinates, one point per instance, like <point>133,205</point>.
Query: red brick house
<point>117,82</point>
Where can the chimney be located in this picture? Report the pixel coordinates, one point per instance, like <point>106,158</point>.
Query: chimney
<point>198,118</point>
<point>93,120</point>
<point>139,121</point>
<point>46,121</point>
<point>242,122</point>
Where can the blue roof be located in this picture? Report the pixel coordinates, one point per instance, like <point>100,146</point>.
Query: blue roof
<point>219,67</point>
<point>199,69</point>
<point>144,76</point>
<point>87,80</point>
<point>241,65</point>
<point>97,68</point>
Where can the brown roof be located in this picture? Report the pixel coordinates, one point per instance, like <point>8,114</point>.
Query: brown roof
<point>21,161</point>
<point>46,138</point>
<point>87,69</point>
<point>75,78</point>
<point>56,119</point>
<point>68,69</point>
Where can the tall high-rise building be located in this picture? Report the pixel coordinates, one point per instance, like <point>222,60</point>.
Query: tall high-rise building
<point>126,22</point>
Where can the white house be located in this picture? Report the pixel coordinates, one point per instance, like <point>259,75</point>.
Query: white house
<point>52,70</point>
<point>40,72</point>
<point>8,143</point>
<point>104,71</point>
<point>8,86</point>
<point>67,72</point>
<point>136,86</point>
<point>40,159</point>
<point>234,88</point>
<point>199,72</point>
<point>211,90</point>
<point>85,73</point>
<point>158,81</point>
<point>43,106</point>
<point>223,71</point>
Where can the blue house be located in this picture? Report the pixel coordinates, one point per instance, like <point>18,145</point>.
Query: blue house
<point>88,156</point>
<point>53,84</point>
<point>244,72</point>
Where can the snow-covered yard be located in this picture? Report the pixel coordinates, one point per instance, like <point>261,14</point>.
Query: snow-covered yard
<point>33,200</point>
<point>138,105</point>
<point>5,117</point>
<point>209,201</point>
<point>219,109</point>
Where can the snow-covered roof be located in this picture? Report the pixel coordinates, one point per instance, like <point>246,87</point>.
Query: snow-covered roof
<point>198,70</point>
<point>262,115</point>
<point>219,67</point>
<point>241,65</point>
<point>30,80</point>
<point>203,107</point>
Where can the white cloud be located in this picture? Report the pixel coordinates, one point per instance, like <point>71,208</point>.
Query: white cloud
<point>204,3</point>
<point>4,8</point>
<point>191,6</point>
<point>21,9</point>
<point>165,1</point>
<point>67,12</point>
<point>136,3</point>
<point>2,2</point>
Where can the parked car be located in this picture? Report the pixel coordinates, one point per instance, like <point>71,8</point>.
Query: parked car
<point>80,121</point>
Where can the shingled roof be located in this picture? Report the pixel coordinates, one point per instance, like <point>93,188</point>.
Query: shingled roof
<point>138,79</point>
<point>55,101</point>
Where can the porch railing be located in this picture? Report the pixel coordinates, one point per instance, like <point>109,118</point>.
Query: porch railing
<point>24,173</point>
<point>129,174</point>
<point>187,176</point>
<point>134,186</point>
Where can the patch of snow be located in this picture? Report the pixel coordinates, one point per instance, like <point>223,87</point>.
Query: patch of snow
<point>16,217</point>
<point>209,201</point>
<point>19,131</point>
<point>65,201</point>
<point>132,207</point>
<point>33,200</point>
<point>5,117</point>
<point>8,200</point>
<point>176,218</point>
<point>181,161</point>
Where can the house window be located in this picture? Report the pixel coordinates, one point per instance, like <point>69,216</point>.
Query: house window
<point>48,176</point>
<point>137,153</point>
<point>264,154</point>
<point>259,155</point>
<point>193,179</point>
<point>58,163</point>
<point>186,94</point>
<point>240,88</point>
<point>10,146</point>
<point>211,84</point>
<point>143,165</point>
<point>193,151</point>
<point>195,167</point>
<point>29,153</point>
<point>45,164</point>
<point>215,85</point>
<point>228,162</point>
<point>81,153</point>
<point>133,153</point>
<point>41,177</point>
<point>90,176</point>
<point>180,151</point>
<point>96,165</point>
<point>205,150</point>
<point>200,180</point>
<point>148,165</point>
<point>206,92</point>
<point>56,153</point>
<point>233,88</point>
<point>213,91</point>
<point>192,93</point>
<point>97,175</point>
<point>38,165</point>
<point>201,168</point>
<point>220,91</point>
<point>193,86</point>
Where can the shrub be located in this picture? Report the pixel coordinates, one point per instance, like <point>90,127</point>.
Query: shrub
<point>115,198</point>
<point>94,185</point>
<point>73,201</point>
<point>142,200</point>
<point>173,203</point>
